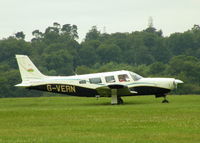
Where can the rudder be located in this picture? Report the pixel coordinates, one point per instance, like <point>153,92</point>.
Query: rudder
<point>27,69</point>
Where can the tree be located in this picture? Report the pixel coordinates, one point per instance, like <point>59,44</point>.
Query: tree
<point>196,28</point>
<point>157,68</point>
<point>20,35</point>
<point>87,56</point>
<point>67,29</point>
<point>187,67</point>
<point>74,33</point>
<point>10,47</point>
<point>146,52</point>
<point>61,61</point>
<point>180,43</point>
<point>93,34</point>
<point>109,53</point>
<point>83,70</point>
<point>56,25</point>
<point>37,35</point>
<point>143,56</point>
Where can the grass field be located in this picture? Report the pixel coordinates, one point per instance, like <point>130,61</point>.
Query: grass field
<point>87,120</point>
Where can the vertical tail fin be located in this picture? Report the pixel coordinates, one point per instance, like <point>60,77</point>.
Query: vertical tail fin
<point>27,69</point>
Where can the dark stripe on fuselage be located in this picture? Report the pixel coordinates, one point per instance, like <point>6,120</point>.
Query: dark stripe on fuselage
<point>86,92</point>
<point>66,89</point>
<point>149,90</point>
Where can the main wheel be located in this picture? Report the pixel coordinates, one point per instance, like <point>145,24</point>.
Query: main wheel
<point>120,100</point>
<point>165,101</point>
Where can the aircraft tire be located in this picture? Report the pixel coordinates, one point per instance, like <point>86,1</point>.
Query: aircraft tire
<point>120,100</point>
<point>165,101</point>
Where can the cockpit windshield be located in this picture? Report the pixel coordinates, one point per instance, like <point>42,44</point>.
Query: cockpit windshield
<point>135,76</point>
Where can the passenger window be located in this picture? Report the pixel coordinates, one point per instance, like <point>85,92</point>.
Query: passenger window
<point>123,78</point>
<point>82,81</point>
<point>110,79</point>
<point>95,80</point>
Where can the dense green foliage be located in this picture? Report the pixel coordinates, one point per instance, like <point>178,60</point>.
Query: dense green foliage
<point>147,52</point>
<point>73,120</point>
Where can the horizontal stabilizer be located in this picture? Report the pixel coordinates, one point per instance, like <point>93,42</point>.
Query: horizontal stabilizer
<point>23,85</point>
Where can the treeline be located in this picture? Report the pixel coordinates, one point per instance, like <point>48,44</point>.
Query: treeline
<point>148,53</point>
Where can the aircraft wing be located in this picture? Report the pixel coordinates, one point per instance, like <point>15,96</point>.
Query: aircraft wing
<point>121,90</point>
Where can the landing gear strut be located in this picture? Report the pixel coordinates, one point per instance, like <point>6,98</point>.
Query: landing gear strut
<point>115,99</point>
<point>165,100</point>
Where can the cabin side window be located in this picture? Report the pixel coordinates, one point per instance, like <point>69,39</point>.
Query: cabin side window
<point>82,81</point>
<point>95,80</point>
<point>110,79</point>
<point>123,78</point>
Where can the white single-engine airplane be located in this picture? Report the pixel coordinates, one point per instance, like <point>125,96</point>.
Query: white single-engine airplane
<point>107,84</point>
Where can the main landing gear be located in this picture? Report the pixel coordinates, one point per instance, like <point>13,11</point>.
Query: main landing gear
<point>115,99</point>
<point>161,95</point>
<point>120,100</point>
<point>165,100</point>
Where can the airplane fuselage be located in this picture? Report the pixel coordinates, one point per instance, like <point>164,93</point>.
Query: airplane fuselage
<point>82,85</point>
<point>107,84</point>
